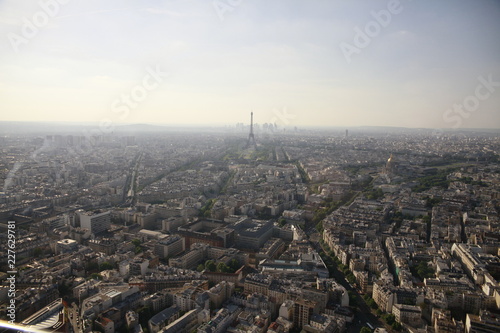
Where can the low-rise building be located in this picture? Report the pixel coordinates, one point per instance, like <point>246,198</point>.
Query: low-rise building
<point>169,247</point>
<point>163,319</point>
<point>407,314</point>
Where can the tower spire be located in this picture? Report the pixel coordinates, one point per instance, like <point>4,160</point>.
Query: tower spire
<point>251,137</point>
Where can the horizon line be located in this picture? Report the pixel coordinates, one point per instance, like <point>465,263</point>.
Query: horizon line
<point>219,125</point>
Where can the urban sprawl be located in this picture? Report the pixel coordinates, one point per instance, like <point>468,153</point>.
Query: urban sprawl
<point>352,230</point>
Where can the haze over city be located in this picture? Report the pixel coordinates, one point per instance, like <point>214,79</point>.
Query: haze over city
<point>295,63</point>
<point>250,166</point>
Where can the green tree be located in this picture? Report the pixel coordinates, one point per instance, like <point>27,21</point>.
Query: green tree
<point>365,329</point>
<point>136,242</point>
<point>234,265</point>
<point>200,268</point>
<point>351,278</point>
<point>397,326</point>
<point>389,318</point>
<point>105,265</point>
<point>223,268</point>
<point>353,300</point>
<point>431,202</point>
<point>205,211</point>
<point>372,304</point>
<point>319,227</point>
<point>374,194</point>
<point>210,266</point>
<point>422,270</point>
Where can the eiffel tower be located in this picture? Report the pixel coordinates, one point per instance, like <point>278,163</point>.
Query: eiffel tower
<point>251,137</point>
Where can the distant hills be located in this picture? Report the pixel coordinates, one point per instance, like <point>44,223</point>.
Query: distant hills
<point>19,127</point>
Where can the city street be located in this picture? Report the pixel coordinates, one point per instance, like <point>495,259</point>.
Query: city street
<point>73,317</point>
<point>364,313</point>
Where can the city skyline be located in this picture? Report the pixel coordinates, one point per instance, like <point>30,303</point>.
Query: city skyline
<point>333,64</point>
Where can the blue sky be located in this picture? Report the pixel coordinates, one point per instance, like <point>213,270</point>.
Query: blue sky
<point>228,57</point>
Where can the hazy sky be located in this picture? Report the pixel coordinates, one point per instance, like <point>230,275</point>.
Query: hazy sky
<point>295,63</point>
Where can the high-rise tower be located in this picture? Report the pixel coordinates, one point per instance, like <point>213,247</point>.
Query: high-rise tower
<point>251,137</point>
